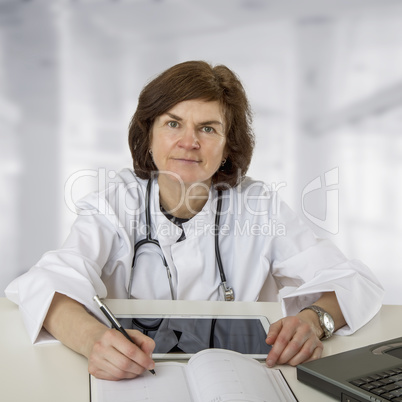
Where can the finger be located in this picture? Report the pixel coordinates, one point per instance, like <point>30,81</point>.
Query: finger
<point>303,341</point>
<point>303,345</point>
<point>282,340</point>
<point>100,365</point>
<point>317,353</point>
<point>102,374</point>
<point>108,371</point>
<point>310,351</point>
<point>134,350</point>
<point>298,350</point>
<point>274,330</point>
<point>111,367</point>
<point>105,358</point>
<point>146,344</point>
<point>119,357</point>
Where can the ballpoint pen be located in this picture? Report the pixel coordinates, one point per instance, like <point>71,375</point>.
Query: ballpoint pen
<point>113,320</point>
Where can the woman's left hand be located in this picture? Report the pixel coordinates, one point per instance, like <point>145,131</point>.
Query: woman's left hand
<point>294,340</point>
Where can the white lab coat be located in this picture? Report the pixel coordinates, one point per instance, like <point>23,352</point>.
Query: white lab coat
<point>266,251</point>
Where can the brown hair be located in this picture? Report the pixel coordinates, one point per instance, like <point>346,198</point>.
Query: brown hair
<point>187,81</point>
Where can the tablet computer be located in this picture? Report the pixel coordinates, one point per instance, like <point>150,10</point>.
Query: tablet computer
<point>181,336</point>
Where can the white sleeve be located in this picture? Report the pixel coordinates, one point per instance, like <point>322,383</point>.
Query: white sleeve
<point>74,270</point>
<point>304,267</point>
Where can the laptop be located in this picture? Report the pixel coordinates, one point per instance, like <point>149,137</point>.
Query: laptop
<point>371,373</point>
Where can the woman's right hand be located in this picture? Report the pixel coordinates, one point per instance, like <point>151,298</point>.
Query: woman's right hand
<point>113,357</point>
<point>110,355</point>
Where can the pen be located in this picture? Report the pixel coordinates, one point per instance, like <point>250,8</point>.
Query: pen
<point>113,320</point>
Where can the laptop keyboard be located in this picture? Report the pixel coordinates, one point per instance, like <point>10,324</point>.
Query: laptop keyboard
<point>385,384</point>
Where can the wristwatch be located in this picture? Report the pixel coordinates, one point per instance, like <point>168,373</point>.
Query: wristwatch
<point>326,321</point>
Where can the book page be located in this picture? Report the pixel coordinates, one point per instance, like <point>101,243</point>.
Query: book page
<point>168,385</point>
<point>221,375</point>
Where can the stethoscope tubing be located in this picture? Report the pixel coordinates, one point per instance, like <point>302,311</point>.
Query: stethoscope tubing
<point>216,234</point>
<point>149,240</point>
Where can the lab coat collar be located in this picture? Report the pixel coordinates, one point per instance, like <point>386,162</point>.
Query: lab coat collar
<point>167,232</point>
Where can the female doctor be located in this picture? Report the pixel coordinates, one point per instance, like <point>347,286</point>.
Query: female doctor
<point>210,233</point>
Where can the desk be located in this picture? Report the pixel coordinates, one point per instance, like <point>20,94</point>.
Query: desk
<point>52,372</point>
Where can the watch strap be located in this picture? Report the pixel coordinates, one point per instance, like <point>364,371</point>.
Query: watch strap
<point>328,332</point>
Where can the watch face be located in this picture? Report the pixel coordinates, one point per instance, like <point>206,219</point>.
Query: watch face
<point>328,322</point>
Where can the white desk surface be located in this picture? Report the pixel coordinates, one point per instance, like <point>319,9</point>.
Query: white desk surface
<point>52,372</point>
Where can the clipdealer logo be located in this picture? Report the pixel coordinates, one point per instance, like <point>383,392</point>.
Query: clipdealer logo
<point>102,178</point>
<point>330,223</point>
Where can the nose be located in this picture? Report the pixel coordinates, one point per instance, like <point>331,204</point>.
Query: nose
<point>189,138</point>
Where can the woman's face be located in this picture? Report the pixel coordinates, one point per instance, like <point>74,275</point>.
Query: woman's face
<point>188,141</point>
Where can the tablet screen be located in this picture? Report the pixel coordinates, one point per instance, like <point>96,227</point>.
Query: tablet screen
<point>185,336</point>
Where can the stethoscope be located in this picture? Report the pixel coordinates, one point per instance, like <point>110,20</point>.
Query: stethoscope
<point>228,293</point>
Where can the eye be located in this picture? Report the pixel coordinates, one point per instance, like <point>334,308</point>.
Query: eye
<point>208,129</point>
<point>173,124</point>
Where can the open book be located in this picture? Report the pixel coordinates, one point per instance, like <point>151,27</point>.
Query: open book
<point>212,375</point>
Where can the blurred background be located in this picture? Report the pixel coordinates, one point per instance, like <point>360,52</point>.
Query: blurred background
<point>324,78</point>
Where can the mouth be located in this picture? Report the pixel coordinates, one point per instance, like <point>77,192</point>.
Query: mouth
<point>187,160</point>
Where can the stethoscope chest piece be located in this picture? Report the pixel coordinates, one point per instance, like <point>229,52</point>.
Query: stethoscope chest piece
<point>226,292</point>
